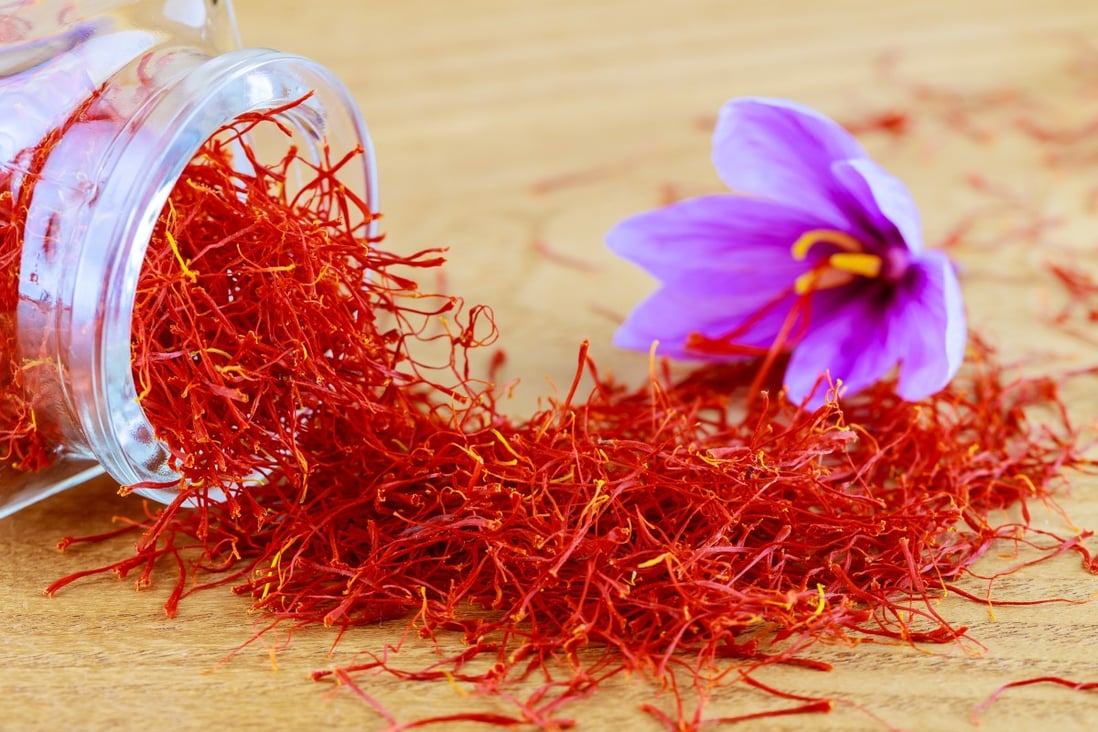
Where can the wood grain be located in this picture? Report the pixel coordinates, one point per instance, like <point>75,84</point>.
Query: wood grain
<point>517,132</point>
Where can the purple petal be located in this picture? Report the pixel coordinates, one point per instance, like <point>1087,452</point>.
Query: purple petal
<point>670,316</point>
<point>721,260</point>
<point>717,245</point>
<point>920,327</point>
<point>848,342</point>
<point>887,205</point>
<point>783,151</point>
<point>929,328</point>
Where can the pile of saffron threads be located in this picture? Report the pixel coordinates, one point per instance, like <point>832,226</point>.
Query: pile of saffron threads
<point>681,531</point>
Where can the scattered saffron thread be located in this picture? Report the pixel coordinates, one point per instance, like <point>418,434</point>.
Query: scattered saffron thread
<point>994,697</point>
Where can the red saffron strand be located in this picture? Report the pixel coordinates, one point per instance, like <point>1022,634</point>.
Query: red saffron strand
<point>1057,680</point>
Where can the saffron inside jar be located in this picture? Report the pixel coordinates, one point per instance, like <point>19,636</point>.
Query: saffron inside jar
<point>24,447</point>
<point>255,338</point>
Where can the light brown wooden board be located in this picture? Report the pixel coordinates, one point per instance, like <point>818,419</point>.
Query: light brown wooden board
<point>502,124</point>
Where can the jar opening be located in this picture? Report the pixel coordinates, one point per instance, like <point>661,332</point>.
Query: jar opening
<point>256,106</point>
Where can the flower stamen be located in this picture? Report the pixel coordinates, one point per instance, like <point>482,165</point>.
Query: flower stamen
<point>837,269</point>
<point>809,239</point>
<point>858,263</point>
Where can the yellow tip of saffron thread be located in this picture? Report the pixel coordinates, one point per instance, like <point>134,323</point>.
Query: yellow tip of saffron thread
<point>189,273</point>
<point>653,561</point>
<point>809,239</point>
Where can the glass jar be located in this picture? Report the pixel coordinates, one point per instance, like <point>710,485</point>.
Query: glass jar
<point>102,105</point>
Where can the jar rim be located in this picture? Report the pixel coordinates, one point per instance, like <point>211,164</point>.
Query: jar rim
<point>173,126</point>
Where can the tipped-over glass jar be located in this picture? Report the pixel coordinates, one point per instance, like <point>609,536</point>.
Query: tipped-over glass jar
<point>102,105</point>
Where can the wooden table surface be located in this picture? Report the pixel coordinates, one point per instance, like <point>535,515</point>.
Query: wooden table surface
<point>517,132</point>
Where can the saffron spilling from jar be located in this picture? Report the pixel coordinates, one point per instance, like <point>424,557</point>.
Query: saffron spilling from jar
<point>343,464</point>
<point>105,101</point>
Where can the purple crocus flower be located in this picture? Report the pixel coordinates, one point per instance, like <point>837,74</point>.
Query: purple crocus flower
<point>819,251</point>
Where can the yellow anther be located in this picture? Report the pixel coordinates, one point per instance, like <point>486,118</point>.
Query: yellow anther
<point>809,239</point>
<point>859,263</point>
<point>838,269</point>
<point>821,278</point>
